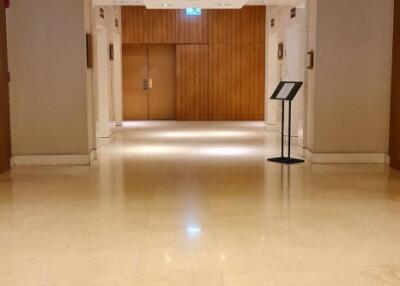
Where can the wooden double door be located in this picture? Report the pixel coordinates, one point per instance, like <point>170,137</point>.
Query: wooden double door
<point>149,79</point>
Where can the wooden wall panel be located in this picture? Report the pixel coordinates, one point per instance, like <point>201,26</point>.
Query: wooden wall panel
<point>5,145</point>
<point>236,91</point>
<point>161,27</point>
<point>220,58</point>
<point>190,29</point>
<point>217,26</point>
<point>134,25</point>
<point>192,82</point>
<point>395,113</point>
<point>143,26</point>
<point>246,25</point>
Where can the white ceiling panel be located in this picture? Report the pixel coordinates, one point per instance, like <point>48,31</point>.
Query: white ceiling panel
<point>175,4</point>
<point>179,4</point>
<point>207,4</point>
<point>118,2</point>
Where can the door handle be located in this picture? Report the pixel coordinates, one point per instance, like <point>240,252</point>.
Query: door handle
<point>145,84</point>
<point>150,83</point>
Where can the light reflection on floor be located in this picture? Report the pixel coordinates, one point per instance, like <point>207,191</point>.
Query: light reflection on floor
<point>227,140</point>
<point>192,203</point>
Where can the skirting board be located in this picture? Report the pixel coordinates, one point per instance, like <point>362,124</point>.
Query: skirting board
<point>347,158</point>
<point>271,127</point>
<point>40,160</point>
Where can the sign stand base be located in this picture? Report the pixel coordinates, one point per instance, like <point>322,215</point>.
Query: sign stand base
<point>282,159</point>
<point>285,160</point>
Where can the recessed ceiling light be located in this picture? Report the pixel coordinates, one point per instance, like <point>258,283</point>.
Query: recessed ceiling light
<point>166,5</point>
<point>224,4</point>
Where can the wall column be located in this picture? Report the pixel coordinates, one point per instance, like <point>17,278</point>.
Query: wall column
<point>49,94</point>
<point>349,88</point>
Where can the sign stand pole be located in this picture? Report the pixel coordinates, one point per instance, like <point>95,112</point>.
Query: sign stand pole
<point>283,130</point>
<point>282,159</point>
<point>290,129</point>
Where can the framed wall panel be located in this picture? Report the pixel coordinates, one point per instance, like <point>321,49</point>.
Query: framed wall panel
<point>5,144</point>
<point>191,29</point>
<point>218,23</point>
<point>134,25</point>
<point>142,26</point>
<point>237,89</point>
<point>246,25</point>
<point>192,82</point>
<point>161,26</point>
<point>395,106</point>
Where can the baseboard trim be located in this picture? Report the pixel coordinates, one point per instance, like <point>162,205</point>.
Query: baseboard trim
<point>92,156</point>
<point>39,160</point>
<point>347,158</point>
<point>102,141</point>
<point>271,127</point>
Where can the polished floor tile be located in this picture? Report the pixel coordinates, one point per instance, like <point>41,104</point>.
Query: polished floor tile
<point>195,203</point>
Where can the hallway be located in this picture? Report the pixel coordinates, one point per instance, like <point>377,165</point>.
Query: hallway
<point>171,204</point>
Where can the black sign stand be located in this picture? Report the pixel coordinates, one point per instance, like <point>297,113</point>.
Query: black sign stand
<point>286,91</point>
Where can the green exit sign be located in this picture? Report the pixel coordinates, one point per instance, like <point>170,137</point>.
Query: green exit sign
<point>193,11</point>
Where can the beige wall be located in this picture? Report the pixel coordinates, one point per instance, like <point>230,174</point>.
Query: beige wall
<point>349,89</point>
<point>89,79</point>
<point>311,76</point>
<point>47,61</point>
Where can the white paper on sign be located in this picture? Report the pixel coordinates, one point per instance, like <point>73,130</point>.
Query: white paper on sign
<point>286,89</point>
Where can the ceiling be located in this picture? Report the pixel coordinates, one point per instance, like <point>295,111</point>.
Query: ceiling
<point>206,4</point>
<point>231,4</point>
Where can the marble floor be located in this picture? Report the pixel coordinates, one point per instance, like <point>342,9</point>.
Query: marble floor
<point>178,204</point>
